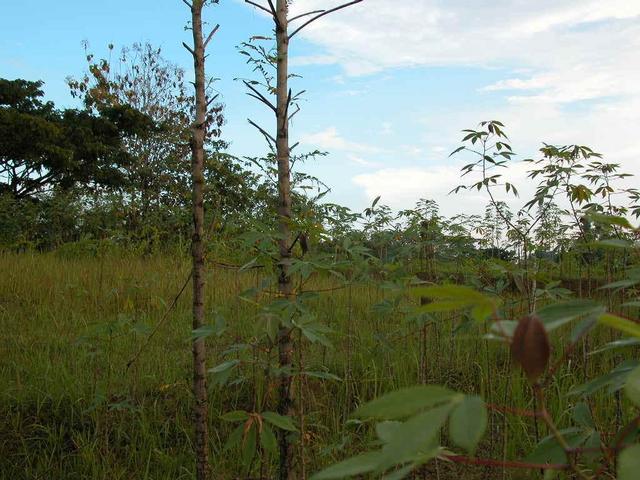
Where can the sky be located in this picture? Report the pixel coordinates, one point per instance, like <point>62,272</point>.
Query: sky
<point>389,84</point>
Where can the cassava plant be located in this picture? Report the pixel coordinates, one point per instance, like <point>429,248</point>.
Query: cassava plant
<point>283,111</point>
<point>409,424</point>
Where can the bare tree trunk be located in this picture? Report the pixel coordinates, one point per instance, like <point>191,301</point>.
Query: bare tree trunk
<point>198,135</point>
<point>285,341</point>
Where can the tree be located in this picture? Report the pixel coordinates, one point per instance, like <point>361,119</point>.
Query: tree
<point>159,188</point>
<point>283,113</point>
<point>199,132</point>
<point>42,147</point>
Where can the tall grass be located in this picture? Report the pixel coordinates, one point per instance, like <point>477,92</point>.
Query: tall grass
<point>70,408</point>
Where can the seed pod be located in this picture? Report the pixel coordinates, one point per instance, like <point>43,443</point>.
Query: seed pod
<point>530,347</point>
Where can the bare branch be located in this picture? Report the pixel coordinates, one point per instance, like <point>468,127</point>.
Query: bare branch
<point>293,19</point>
<point>213,32</point>
<point>267,135</point>
<point>212,99</point>
<point>257,5</point>
<point>188,48</point>
<point>320,15</point>
<point>259,96</point>
<point>294,113</point>
<point>273,9</point>
<point>187,4</point>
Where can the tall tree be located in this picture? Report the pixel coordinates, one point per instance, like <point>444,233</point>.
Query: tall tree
<point>280,15</point>
<point>198,137</point>
<point>42,147</point>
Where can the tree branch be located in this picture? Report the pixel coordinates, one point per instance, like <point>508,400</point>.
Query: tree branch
<point>293,19</point>
<point>320,15</point>
<point>257,5</point>
<point>187,4</point>
<point>189,48</point>
<point>259,96</point>
<point>266,134</point>
<point>213,32</point>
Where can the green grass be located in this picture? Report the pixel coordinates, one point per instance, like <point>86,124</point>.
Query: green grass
<point>70,409</point>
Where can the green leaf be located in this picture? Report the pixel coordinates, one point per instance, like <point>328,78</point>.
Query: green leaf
<point>558,314</point>
<point>367,462</point>
<point>202,332</point>
<point>249,446</point>
<point>620,324</point>
<point>629,463</point>
<point>550,451</point>
<point>610,220</point>
<point>280,421</point>
<point>322,375</point>
<point>222,372</point>
<point>414,438</point>
<point>582,415</point>
<point>385,430</point>
<point>468,423</point>
<point>234,439</point>
<point>268,440</point>
<point>235,416</point>
<point>614,243</point>
<point>405,402</point>
<point>613,381</point>
<point>627,342</point>
<point>632,387</point>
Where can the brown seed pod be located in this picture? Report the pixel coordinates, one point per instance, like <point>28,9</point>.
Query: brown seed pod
<point>530,347</point>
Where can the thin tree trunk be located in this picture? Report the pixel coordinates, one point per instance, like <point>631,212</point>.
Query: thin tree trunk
<point>285,341</point>
<point>198,133</point>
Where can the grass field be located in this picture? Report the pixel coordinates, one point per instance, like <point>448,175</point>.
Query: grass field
<point>70,408</point>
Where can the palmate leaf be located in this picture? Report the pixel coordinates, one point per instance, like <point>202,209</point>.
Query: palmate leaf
<point>558,314</point>
<point>456,297</point>
<point>629,463</point>
<point>405,402</point>
<point>468,423</point>
<point>621,324</point>
<point>632,387</point>
<point>364,463</point>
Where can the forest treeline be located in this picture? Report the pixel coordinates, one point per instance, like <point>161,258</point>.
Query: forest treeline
<point>115,173</point>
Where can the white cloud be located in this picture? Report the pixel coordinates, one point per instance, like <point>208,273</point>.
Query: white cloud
<point>575,49</point>
<point>330,139</point>
<point>558,52</point>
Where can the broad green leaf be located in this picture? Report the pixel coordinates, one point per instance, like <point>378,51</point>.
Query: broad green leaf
<point>235,416</point>
<point>268,440</point>
<point>322,375</point>
<point>610,220</point>
<point>582,415</point>
<point>614,243</point>
<point>632,387</point>
<point>621,324</point>
<point>550,451</point>
<point>222,372</point>
<point>249,445</point>
<point>404,402</point>
<point>202,332</point>
<point>385,430</point>
<point>558,314</point>
<point>468,423</point>
<point>627,342</point>
<point>280,421</point>
<point>414,438</point>
<point>629,463</point>
<point>367,462</point>
<point>613,381</point>
<point>234,439</point>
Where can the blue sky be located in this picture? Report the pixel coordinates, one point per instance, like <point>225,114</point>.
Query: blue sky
<point>390,84</point>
